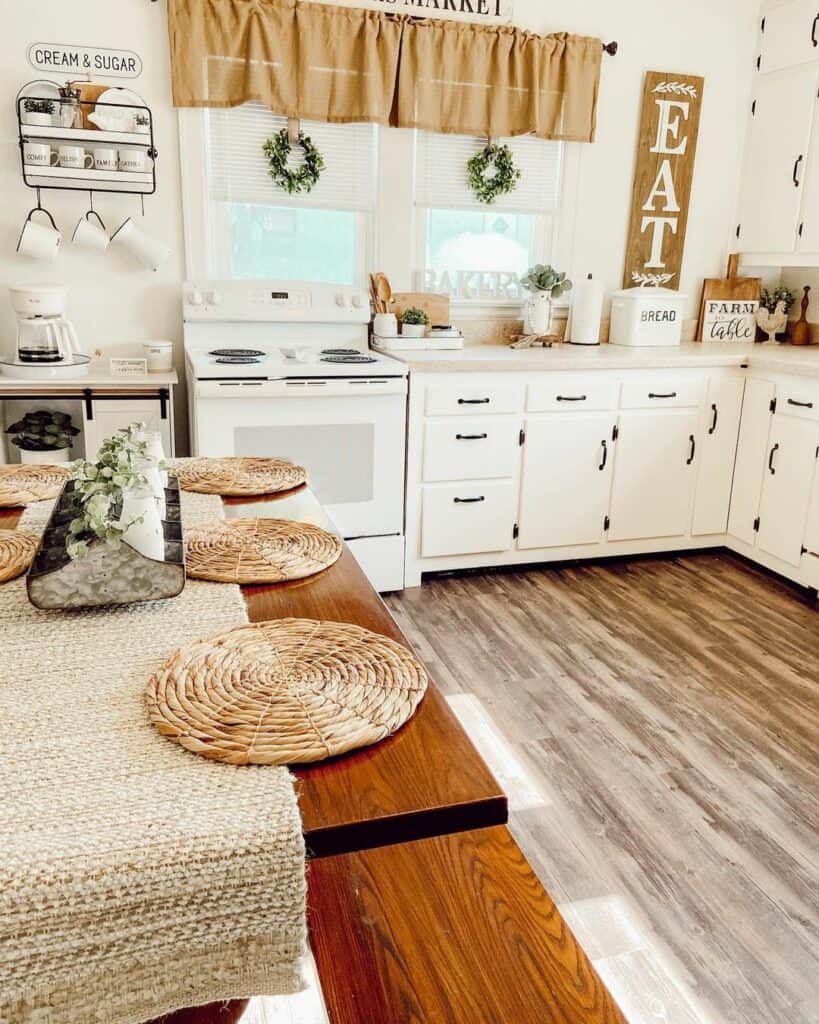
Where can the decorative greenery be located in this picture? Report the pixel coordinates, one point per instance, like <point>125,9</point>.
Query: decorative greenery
<point>142,119</point>
<point>101,485</point>
<point>35,106</point>
<point>414,315</point>
<point>544,278</point>
<point>504,176</point>
<point>772,297</point>
<point>43,431</point>
<point>650,280</point>
<point>278,149</point>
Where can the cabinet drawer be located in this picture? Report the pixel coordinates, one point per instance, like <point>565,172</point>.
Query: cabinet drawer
<point>471,448</point>
<point>465,519</point>
<point>798,398</point>
<point>468,396</point>
<point>660,392</point>
<point>571,393</point>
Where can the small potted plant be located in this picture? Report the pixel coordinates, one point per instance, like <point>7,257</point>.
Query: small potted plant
<point>38,111</point>
<point>142,123</point>
<point>43,437</point>
<point>414,323</point>
<point>544,284</point>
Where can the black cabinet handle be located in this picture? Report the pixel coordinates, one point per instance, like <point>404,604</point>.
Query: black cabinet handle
<point>693,442</point>
<point>798,161</point>
<point>813,38</point>
<point>671,394</point>
<point>471,437</point>
<point>712,429</point>
<point>602,465</point>
<point>468,501</point>
<point>800,405</point>
<point>572,398</point>
<point>774,450</point>
<point>474,401</point>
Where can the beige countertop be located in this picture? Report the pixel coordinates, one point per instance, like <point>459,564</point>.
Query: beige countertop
<point>496,358</point>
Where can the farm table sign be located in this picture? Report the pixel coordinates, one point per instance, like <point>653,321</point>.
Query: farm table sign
<point>487,12</point>
<point>724,320</point>
<point>666,150</point>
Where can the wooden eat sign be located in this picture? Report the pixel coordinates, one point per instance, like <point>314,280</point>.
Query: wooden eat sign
<point>666,149</point>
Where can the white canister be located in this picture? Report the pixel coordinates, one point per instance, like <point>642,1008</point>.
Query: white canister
<point>159,355</point>
<point>385,325</point>
<point>647,317</point>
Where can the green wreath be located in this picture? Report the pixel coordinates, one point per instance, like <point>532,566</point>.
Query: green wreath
<point>278,149</point>
<point>502,182</point>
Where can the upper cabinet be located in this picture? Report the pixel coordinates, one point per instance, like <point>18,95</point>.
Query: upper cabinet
<point>789,35</point>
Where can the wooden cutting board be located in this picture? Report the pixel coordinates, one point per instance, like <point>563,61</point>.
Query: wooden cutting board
<point>90,92</point>
<point>437,307</point>
<point>728,289</point>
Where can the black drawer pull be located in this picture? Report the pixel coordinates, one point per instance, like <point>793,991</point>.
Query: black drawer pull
<point>693,442</point>
<point>602,465</point>
<point>671,394</point>
<point>572,398</point>
<point>715,421</point>
<point>468,501</point>
<point>774,450</point>
<point>800,405</point>
<point>471,437</point>
<point>474,401</point>
<point>797,162</point>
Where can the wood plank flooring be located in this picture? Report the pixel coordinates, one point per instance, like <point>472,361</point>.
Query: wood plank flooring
<point>656,724</point>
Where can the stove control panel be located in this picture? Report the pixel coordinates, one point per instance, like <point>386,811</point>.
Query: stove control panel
<point>272,301</point>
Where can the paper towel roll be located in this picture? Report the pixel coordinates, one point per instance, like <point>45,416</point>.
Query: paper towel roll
<point>587,312</point>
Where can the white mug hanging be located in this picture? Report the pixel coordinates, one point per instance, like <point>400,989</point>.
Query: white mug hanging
<point>39,241</point>
<point>39,154</point>
<point>149,251</point>
<point>90,235</point>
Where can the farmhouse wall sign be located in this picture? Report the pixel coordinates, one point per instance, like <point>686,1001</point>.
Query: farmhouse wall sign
<point>487,12</point>
<point>84,60</point>
<point>666,150</point>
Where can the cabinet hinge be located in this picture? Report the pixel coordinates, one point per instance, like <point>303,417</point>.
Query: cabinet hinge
<point>753,109</point>
<point>615,432</point>
<point>773,405</point>
<point>757,524</point>
<point>804,550</point>
<point>522,438</point>
<point>607,524</point>
<point>515,532</point>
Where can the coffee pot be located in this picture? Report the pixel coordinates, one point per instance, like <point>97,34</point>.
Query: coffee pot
<point>44,333</point>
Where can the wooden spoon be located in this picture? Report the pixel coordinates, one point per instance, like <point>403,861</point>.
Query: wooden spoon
<point>384,292</point>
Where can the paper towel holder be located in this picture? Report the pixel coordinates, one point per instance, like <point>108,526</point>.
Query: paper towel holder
<point>585,329</point>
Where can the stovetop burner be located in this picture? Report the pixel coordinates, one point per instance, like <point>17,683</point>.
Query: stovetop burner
<point>357,358</point>
<point>237,353</point>
<point>340,352</point>
<point>238,360</point>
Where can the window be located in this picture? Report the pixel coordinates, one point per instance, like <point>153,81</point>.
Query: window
<point>255,230</point>
<point>473,250</point>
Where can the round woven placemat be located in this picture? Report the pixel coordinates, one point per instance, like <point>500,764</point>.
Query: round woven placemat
<point>17,549</point>
<point>20,485</point>
<point>286,692</point>
<point>258,551</point>
<point>239,477</point>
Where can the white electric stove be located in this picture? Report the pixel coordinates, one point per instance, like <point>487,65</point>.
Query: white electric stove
<point>281,369</point>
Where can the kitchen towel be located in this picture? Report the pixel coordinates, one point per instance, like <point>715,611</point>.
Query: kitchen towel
<point>135,877</point>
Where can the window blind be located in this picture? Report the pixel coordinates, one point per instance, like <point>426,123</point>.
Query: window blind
<point>441,180</point>
<point>238,169</point>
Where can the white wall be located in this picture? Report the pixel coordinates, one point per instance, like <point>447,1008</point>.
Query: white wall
<point>115,306</point>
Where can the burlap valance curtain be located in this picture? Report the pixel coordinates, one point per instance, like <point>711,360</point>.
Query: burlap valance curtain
<point>340,64</point>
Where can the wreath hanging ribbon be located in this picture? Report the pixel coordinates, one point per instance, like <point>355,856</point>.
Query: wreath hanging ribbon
<point>502,182</point>
<point>277,149</point>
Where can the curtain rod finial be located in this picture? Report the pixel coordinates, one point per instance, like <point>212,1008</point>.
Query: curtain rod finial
<point>611,48</point>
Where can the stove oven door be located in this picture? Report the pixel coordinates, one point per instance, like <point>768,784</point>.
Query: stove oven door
<point>349,434</point>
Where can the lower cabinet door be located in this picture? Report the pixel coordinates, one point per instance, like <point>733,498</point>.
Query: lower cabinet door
<point>567,465</point>
<point>111,415</point>
<point>750,462</point>
<point>719,434</point>
<point>654,474</point>
<point>787,487</point>
<point>468,518</point>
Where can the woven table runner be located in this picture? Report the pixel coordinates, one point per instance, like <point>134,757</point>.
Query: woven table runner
<point>135,877</point>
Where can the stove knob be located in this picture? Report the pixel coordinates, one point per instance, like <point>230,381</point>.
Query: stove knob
<point>214,298</point>
<point>358,300</point>
<point>341,299</point>
<point>195,298</point>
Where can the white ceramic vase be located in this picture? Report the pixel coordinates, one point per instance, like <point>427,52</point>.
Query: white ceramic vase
<point>413,330</point>
<point>539,313</point>
<point>145,532</point>
<point>53,457</point>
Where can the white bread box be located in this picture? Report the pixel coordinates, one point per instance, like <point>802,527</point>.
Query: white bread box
<point>646,317</point>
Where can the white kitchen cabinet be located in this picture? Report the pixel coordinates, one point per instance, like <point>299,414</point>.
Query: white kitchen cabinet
<point>654,474</point>
<point>566,484</point>
<point>755,427</point>
<point>110,415</point>
<point>790,35</point>
<point>468,518</point>
<point>787,487</point>
<point>812,531</point>
<point>471,448</point>
<point>719,433</point>
<point>774,178</point>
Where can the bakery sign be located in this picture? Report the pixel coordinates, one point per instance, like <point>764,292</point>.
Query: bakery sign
<point>61,59</point>
<point>488,12</point>
<point>667,148</point>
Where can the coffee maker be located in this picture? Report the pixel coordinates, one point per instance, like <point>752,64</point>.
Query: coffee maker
<point>45,337</point>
